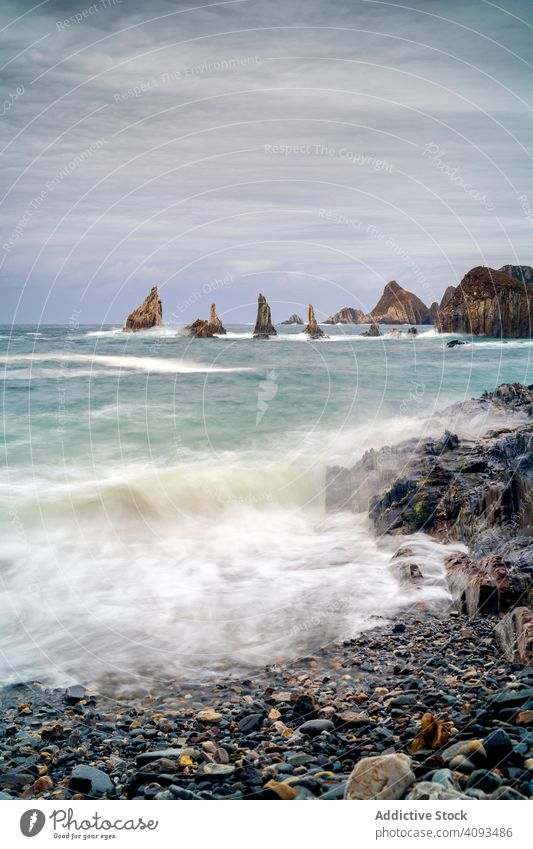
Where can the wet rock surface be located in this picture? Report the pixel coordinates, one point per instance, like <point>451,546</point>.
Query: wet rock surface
<point>490,303</point>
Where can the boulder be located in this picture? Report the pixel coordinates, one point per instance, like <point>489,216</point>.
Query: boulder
<point>204,329</point>
<point>149,314</point>
<point>380,777</point>
<point>412,331</point>
<point>347,315</point>
<point>293,319</point>
<point>489,303</point>
<point>483,586</point>
<point>263,325</point>
<point>312,329</point>
<point>515,634</point>
<point>398,306</point>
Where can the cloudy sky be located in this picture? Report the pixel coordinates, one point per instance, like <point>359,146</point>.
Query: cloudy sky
<point>312,150</point>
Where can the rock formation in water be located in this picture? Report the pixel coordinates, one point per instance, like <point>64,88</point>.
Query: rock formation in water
<point>433,312</point>
<point>312,329</point>
<point>293,319</point>
<point>489,303</point>
<point>263,325</point>
<point>204,329</point>
<point>522,273</point>
<point>412,331</point>
<point>347,315</point>
<point>149,314</point>
<point>398,306</point>
<point>373,330</point>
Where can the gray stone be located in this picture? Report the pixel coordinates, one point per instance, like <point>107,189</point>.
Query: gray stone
<point>90,781</point>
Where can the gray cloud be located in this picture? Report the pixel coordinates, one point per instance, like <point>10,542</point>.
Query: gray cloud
<point>313,150</point>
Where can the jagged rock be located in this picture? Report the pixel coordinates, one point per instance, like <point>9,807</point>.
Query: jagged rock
<point>453,343</point>
<point>373,330</point>
<point>312,329</point>
<point>446,297</point>
<point>293,319</point>
<point>434,311</point>
<point>380,777</point>
<point>523,273</point>
<point>149,314</point>
<point>482,586</point>
<point>515,634</point>
<point>412,331</point>
<point>347,315</point>
<point>203,329</point>
<point>263,325</point>
<point>398,306</point>
<point>488,303</point>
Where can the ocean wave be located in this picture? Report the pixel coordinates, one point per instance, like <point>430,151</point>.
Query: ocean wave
<point>148,364</point>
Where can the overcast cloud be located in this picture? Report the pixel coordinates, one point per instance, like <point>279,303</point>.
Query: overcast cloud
<point>311,150</point>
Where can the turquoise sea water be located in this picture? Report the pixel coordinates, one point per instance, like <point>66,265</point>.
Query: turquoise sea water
<point>162,497</point>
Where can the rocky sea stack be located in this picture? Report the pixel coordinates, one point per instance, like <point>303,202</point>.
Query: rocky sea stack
<point>293,319</point>
<point>149,314</point>
<point>489,303</point>
<point>204,329</point>
<point>373,330</point>
<point>263,325</point>
<point>398,306</point>
<point>347,315</point>
<point>312,329</point>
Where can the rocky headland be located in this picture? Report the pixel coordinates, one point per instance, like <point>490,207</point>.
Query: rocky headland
<point>489,303</point>
<point>149,314</point>
<point>206,328</point>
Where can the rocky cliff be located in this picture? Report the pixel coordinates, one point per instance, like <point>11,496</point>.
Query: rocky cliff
<point>312,329</point>
<point>347,315</point>
<point>488,303</point>
<point>398,306</point>
<point>203,329</point>
<point>293,319</point>
<point>263,325</point>
<point>149,314</point>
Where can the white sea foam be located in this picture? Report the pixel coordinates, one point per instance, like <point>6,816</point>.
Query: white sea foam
<point>149,364</point>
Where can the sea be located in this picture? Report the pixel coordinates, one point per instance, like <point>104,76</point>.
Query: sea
<point>163,498</point>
